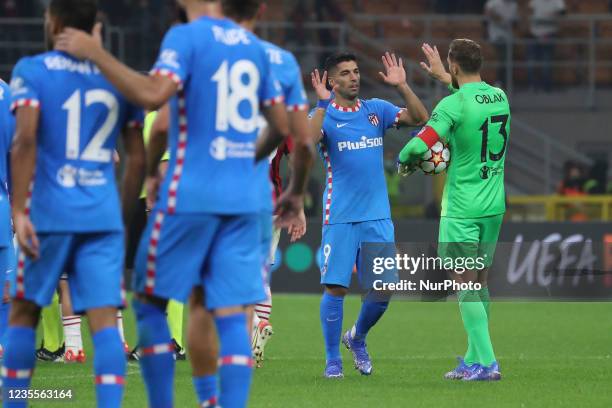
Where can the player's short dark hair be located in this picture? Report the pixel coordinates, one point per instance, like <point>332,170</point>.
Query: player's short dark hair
<point>333,60</point>
<point>240,10</point>
<point>80,14</point>
<point>467,54</point>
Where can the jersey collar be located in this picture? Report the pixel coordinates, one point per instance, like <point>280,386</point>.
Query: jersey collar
<point>344,109</point>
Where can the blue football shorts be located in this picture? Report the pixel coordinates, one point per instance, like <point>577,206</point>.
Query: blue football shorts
<point>220,252</point>
<point>345,246</point>
<point>92,261</point>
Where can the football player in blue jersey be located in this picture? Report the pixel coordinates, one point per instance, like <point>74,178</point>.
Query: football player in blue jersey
<point>288,73</point>
<point>355,203</point>
<point>205,229</point>
<point>66,206</point>
<point>7,254</point>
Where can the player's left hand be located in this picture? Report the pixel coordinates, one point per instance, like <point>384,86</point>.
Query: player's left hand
<point>289,207</point>
<point>78,43</point>
<point>152,184</point>
<point>297,229</point>
<point>26,236</point>
<point>405,169</point>
<point>395,74</point>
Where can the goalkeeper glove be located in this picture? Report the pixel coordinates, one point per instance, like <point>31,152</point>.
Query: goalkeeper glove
<point>405,169</point>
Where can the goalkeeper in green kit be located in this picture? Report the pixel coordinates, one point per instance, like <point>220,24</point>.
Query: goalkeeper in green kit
<point>475,122</point>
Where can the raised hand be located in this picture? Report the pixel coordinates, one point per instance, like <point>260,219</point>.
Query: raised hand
<point>394,74</point>
<point>434,66</point>
<point>319,85</point>
<point>78,43</point>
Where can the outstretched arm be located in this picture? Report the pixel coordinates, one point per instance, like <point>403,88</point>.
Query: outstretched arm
<point>303,153</point>
<point>150,92</point>
<point>415,113</point>
<point>290,205</point>
<point>413,150</point>
<point>276,131</point>
<point>158,144</point>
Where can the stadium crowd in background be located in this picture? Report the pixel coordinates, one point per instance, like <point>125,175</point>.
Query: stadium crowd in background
<point>578,180</point>
<point>503,16</point>
<point>543,30</point>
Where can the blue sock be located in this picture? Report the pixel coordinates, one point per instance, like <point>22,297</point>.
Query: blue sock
<point>156,354</point>
<point>18,363</point>
<point>370,313</point>
<point>235,362</point>
<point>331,314</point>
<point>4,314</point>
<point>206,389</point>
<point>109,367</point>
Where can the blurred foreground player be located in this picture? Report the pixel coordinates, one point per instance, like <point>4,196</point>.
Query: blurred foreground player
<point>7,253</point>
<point>204,230</point>
<point>287,71</point>
<point>65,202</point>
<point>356,210</point>
<point>475,121</point>
<point>155,122</point>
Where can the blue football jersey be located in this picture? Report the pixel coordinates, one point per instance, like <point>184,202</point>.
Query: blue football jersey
<point>6,136</point>
<point>287,72</point>
<point>352,152</point>
<point>224,76</point>
<point>81,116</point>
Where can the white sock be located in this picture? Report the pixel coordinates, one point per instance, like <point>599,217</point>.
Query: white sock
<point>256,321</point>
<point>254,330</point>
<point>72,333</point>
<point>120,325</point>
<point>263,310</point>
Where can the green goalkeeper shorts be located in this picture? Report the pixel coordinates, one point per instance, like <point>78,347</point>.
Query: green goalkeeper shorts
<point>471,241</point>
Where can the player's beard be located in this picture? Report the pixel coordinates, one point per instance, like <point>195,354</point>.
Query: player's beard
<point>349,93</point>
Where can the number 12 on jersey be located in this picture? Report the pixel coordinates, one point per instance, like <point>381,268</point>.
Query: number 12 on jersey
<point>94,150</point>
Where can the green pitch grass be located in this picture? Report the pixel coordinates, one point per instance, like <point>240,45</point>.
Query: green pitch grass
<point>551,354</point>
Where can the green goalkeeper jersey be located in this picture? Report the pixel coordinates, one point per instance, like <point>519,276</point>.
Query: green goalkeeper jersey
<point>475,122</point>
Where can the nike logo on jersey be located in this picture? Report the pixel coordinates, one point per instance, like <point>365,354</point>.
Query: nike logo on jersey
<point>340,125</point>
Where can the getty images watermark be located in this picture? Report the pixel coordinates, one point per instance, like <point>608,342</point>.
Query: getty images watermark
<point>386,267</point>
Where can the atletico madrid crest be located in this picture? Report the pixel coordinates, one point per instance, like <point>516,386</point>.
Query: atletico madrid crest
<point>373,119</point>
